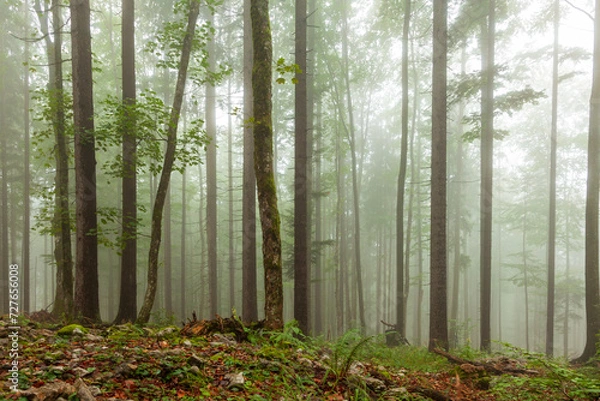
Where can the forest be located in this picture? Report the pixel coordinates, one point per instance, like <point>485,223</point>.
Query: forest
<point>427,169</point>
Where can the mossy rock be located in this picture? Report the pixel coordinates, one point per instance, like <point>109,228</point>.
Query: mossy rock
<point>71,330</point>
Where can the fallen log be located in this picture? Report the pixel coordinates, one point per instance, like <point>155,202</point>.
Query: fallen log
<point>505,366</point>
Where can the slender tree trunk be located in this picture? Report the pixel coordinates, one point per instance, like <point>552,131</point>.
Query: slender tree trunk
<point>400,307</point>
<point>552,207</point>
<point>4,262</point>
<point>86,302</point>
<point>167,257</point>
<point>231,251</point>
<point>165,176</point>
<point>301,237</point>
<point>249,298</point>
<point>355,191</point>
<point>487,143</point>
<point>211,182</point>
<point>454,340</point>
<point>25,258</point>
<point>61,222</point>
<point>263,163</point>
<point>183,259</point>
<point>318,288</point>
<point>592,281</point>
<point>128,290</point>
<point>203,253</point>
<point>526,282</point>
<point>438,320</point>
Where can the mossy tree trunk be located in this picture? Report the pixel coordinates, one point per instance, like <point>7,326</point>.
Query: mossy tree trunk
<point>263,163</point>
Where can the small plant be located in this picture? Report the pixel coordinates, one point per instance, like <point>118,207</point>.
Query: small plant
<point>345,352</point>
<point>290,336</point>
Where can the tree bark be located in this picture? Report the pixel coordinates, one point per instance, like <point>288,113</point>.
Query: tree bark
<point>552,207</point>
<point>25,251</point>
<point>592,292</point>
<point>249,296</point>
<point>355,191</point>
<point>86,303</point>
<point>211,183</point>
<point>400,306</point>
<point>301,259</point>
<point>438,320</point>
<point>165,176</point>
<point>128,291</point>
<point>263,163</point>
<point>487,151</point>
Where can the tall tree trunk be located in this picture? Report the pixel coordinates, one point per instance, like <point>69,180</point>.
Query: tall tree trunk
<point>592,291</point>
<point>249,298</point>
<point>183,259</point>
<point>165,176</point>
<point>526,282</point>
<point>340,229</point>
<point>355,191</point>
<point>552,207</point>
<point>4,262</point>
<point>263,163</point>
<point>86,303</point>
<point>438,320</point>
<point>211,182</point>
<point>231,238</point>
<point>400,306</point>
<point>25,250</point>
<point>168,257</point>
<point>457,262</point>
<point>301,237</point>
<point>128,291</point>
<point>487,143</point>
<point>61,221</point>
<point>319,306</point>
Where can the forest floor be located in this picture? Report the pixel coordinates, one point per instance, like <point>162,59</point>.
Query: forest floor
<point>223,360</point>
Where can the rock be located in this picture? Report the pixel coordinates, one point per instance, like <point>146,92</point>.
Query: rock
<point>195,369</point>
<point>83,391</point>
<point>187,343</point>
<point>52,391</point>
<point>195,360</point>
<point>166,331</point>
<point>236,381</point>
<point>92,337</point>
<point>375,384</point>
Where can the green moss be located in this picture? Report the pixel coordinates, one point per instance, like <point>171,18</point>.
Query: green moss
<point>68,330</point>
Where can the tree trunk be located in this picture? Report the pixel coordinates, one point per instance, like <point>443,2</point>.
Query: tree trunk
<point>301,260</point>
<point>487,143</point>
<point>183,259</point>
<point>249,296</point>
<point>355,191</point>
<point>128,292</point>
<point>400,307</point>
<point>211,182</point>
<point>25,250</point>
<point>263,163</point>
<point>592,292</point>
<point>4,262</point>
<point>168,257</point>
<point>61,221</point>
<point>86,303</point>
<point>231,238</point>
<point>552,207</point>
<point>165,176</point>
<point>438,320</point>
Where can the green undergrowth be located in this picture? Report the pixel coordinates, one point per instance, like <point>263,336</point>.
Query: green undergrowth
<point>158,363</point>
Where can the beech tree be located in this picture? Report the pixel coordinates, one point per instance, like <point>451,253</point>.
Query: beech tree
<point>263,162</point>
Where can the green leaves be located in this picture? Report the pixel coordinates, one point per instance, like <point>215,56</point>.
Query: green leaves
<point>284,69</point>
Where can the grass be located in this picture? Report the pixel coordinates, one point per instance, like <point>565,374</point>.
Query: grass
<point>283,365</point>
